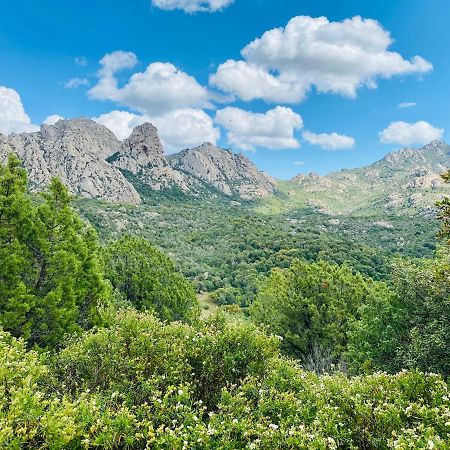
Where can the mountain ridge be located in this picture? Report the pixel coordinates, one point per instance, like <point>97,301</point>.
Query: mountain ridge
<point>93,163</point>
<point>409,178</point>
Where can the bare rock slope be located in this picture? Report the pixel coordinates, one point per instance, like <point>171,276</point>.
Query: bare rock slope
<point>142,155</point>
<point>75,151</point>
<point>228,172</point>
<point>93,163</point>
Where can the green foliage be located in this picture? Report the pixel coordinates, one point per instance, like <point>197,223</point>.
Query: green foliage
<point>138,355</point>
<point>410,327</point>
<point>295,409</point>
<point>226,387</point>
<point>444,211</point>
<point>311,305</point>
<point>228,247</point>
<point>148,280</point>
<point>50,282</point>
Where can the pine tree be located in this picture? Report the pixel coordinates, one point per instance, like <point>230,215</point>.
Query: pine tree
<point>49,270</point>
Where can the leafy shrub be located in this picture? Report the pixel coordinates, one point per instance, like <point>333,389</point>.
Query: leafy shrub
<point>148,280</point>
<point>410,327</point>
<point>227,388</point>
<point>139,355</point>
<point>311,305</point>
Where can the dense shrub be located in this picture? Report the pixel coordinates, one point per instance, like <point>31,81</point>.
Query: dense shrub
<point>311,306</point>
<point>409,328</point>
<point>138,355</point>
<point>148,280</point>
<point>259,400</point>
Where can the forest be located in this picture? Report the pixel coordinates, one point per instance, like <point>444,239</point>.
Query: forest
<point>332,335</point>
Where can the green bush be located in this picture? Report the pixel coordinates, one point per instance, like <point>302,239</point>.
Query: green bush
<point>85,398</point>
<point>410,327</point>
<point>310,305</point>
<point>147,278</point>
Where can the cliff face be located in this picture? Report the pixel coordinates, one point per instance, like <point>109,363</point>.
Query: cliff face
<point>142,155</point>
<point>230,173</point>
<point>75,151</point>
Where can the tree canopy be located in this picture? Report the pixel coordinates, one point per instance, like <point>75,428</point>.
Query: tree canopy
<point>50,277</point>
<point>147,278</point>
<point>310,305</point>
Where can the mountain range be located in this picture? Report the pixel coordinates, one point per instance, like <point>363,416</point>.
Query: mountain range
<point>93,163</point>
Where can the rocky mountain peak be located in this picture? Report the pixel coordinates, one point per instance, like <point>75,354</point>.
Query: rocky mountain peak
<point>143,146</point>
<point>142,154</point>
<point>230,173</point>
<point>81,135</point>
<point>75,151</point>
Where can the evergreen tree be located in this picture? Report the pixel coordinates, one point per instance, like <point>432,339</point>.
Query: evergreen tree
<point>50,275</point>
<point>148,280</point>
<point>310,305</point>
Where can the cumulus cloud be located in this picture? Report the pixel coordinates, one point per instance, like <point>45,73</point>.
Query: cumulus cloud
<point>159,89</point>
<point>248,130</point>
<point>333,57</point>
<point>52,119</point>
<point>177,129</point>
<point>331,141</point>
<point>403,133</point>
<point>13,118</point>
<point>407,105</point>
<point>76,82</point>
<point>192,6</point>
<point>250,81</point>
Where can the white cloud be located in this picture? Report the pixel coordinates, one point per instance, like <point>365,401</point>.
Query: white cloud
<point>403,133</point>
<point>177,129</point>
<point>159,89</point>
<point>81,61</point>
<point>115,61</point>
<point>192,6</point>
<point>121,123</point>
<point>183,128</point>
<point>273,129</point>
<point>13,118</point>
<point>76,82</point>
<point>407,105</point>
<point>332,141</point>
<point>52,119</point>
<point>250,81</point>
<point>333,57</point>
<point>299,163</point>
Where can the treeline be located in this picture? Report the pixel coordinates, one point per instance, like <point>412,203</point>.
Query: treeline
<point>103,347</point>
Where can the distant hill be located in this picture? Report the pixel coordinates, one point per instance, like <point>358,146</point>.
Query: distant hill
<point>408,180</point>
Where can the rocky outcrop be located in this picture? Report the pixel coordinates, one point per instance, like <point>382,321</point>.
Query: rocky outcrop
<point>93,163</point>
<point>409,178</point>
<point>232,174</point>
<point>75,151</point>
<point>142,155</point>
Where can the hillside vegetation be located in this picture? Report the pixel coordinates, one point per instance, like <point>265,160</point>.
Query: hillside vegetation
<point>102,344</point>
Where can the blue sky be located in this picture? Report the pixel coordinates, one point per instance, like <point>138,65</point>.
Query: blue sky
<point>282,119</point>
